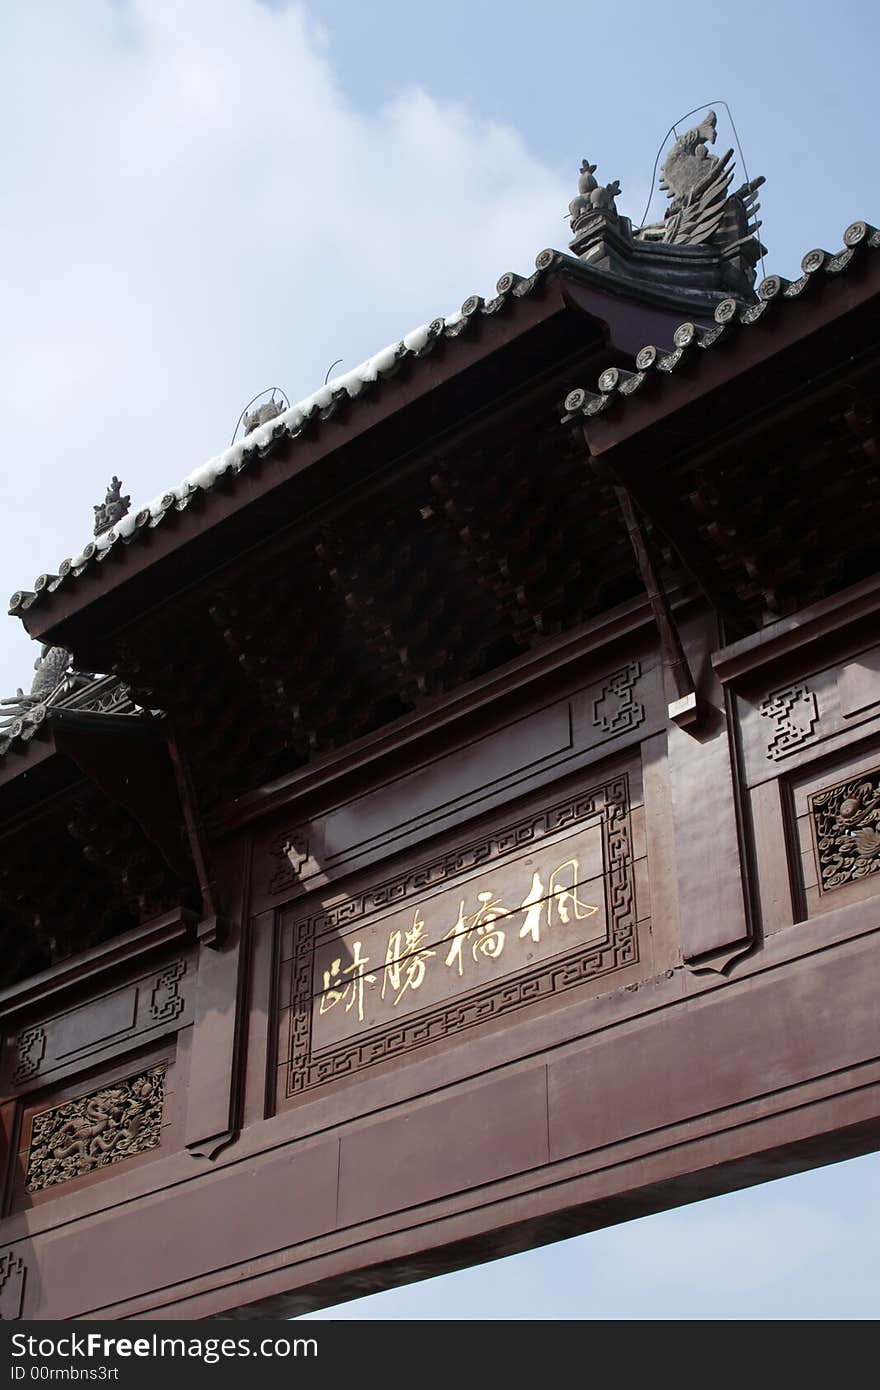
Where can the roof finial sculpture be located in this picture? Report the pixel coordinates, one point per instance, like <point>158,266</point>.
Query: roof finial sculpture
<point>706,247</point>
<point>53,674</point>
<point>689,166</point>
<point>112,509</point>
<point>255,415</point>
<point>262,414</point>
<point>51,667</point>
<point>701,210</point>
<point>591,198</point>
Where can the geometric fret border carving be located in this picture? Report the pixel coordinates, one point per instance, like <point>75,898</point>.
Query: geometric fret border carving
<point>846,830</point>
<point>796,713</point>
<point>94,1131</point>
<point>166,1001</point>
<point>31,1051</point>
<point>610,802</point>
<point>77,1034</point>
<point>616,707</point>
<point>13,1272</point>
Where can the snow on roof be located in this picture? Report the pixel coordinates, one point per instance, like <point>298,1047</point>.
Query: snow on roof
<point>859,236</point>
<point>289,421</point>
<point>347,385</point>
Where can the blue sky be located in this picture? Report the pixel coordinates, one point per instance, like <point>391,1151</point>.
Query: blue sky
<point>800,1248</point>
<point>202,198</point>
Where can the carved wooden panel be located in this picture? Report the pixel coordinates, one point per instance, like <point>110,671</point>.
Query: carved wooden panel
<point>75,1133</point>
<point>846,830</point>
<point>71,1038</point>
<point>502,921</point>
<point>95,1130</point>
<point>836,812</point>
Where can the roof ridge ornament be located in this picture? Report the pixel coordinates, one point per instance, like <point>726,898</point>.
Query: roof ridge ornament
<point>112,509</point>
<point>262,414</point>
<point>700,208</point>
<point>54,672</point>
<point>706,244</point>
<point>591,198</point>
<point>52,669</point>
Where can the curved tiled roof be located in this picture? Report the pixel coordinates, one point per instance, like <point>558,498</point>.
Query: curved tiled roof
<point>731,317</point>
<point>614,384</point>
<point>74,693</point>
<point>320,406</point>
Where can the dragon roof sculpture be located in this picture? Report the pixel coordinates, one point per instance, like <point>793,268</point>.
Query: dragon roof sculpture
<point>701,209</point>
<point>705,246</point>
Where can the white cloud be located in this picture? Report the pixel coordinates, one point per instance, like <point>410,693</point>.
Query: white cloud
<point>194,210</point>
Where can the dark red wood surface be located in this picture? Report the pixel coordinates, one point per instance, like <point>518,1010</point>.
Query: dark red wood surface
<point>369,751</point>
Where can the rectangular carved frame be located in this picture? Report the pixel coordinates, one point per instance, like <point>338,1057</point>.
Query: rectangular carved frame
<point>610,801</point>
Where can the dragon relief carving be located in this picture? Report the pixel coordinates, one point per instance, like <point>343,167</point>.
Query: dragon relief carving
<point>81,1135</point>
<point>846,819</point>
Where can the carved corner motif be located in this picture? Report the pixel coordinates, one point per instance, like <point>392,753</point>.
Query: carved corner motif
<point>74,1138</point>
<point>795,712</point>
<point>296,848</point>
<point>31,1047</point>
<point>619,948</point>
<point>846,829</point>
<point>166,1001</point>
<point>13,1274</point>
<point>616,708</point>
<point>292,851</point>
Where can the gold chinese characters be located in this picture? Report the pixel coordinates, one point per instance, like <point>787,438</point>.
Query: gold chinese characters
<point>479,935</point>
